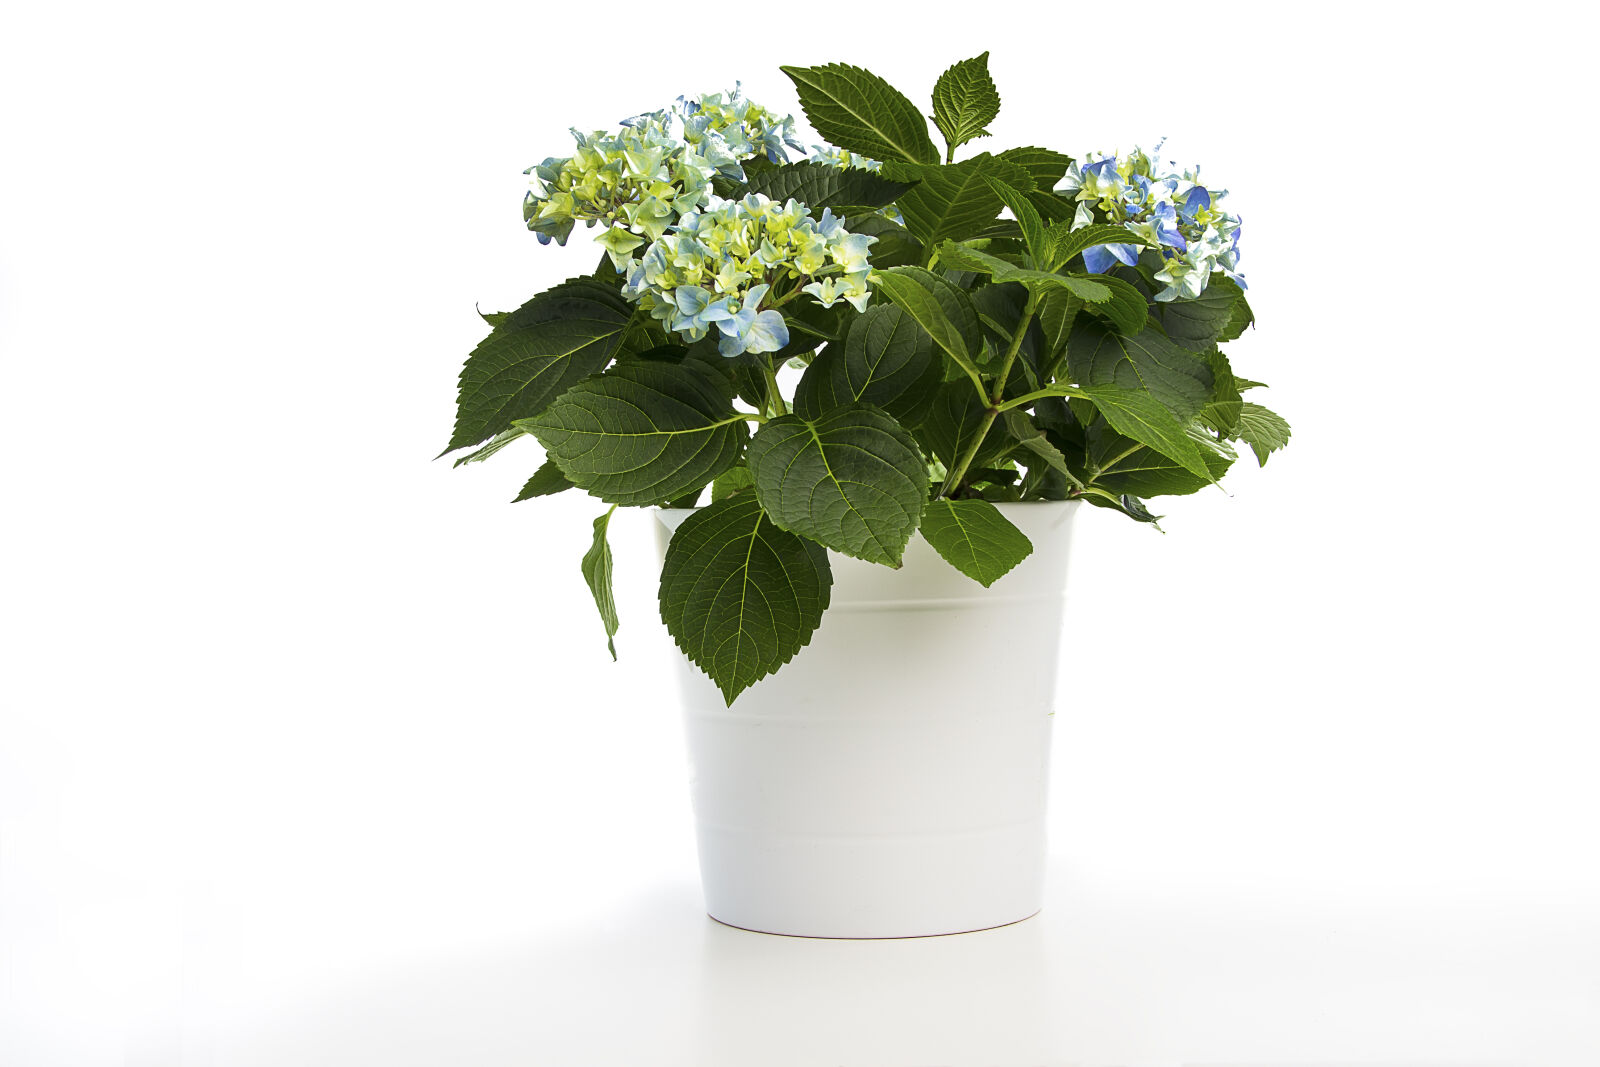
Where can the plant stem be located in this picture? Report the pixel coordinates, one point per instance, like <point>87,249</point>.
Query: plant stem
<point>959,471</point>
<point>774,396</point>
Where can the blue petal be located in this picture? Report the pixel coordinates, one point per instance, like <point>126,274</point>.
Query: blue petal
<point>767,333</point>
<point>1096,260</point>
<point>1129,254</point>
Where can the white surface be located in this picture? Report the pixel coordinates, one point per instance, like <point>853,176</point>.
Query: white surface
<point>292,720</point>
<point>878,786</point>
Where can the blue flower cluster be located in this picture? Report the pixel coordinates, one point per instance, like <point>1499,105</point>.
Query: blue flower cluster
<point>717,267</point>
<point>1171,210</point>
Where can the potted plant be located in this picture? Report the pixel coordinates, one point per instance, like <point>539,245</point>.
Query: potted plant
<point>983,345</point>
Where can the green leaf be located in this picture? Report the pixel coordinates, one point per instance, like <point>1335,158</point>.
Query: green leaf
<point>1043,166</point>
<point>740,596</point>
<point>965,101</point>
<point>644,432</point>
<point>1241,319</point>
<point>857,110</point>
<point>886,360</point>
<point>818,186</point>
<point>953,202</point>
<point>493,318</point>
<point>1264,431</point>
<point>1126,467</point>
<point>535,354</point>
<point>1136,415</point>
<point>1221,412</point>
<point>1033,231</point>
<point>546,481</point>
<point>687,500</point>
<point>1065,242</point>
<point>1126,308</point>
<point>853,480</point>
<point>499,441</point>
<point>941,309</point>
<point>955,418</point>
<point>644,337</point>
<point>1032,439</point>
<point>975,538</point>
<point>1177,378</point>
<point>731,481</point>
<point>1200,323</point>
<point>597,572</point>
<point>1057,311</point>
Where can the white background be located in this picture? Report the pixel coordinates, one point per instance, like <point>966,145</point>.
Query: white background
<point>310,749</point>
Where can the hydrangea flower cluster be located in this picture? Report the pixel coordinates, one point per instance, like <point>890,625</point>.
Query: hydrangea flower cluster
<point>639,180</point>
<point>718,267</point>
<point>745,127</point>
<point>1171,210</point>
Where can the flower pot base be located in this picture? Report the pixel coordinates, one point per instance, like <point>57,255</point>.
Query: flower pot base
<point>890,781</point>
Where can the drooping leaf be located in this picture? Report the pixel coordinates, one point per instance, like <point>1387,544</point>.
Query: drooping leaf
<point>644,432</point>
<point>597,572</point>
<point>818,186</point>
<point>1043,166</point>
<point>1200,323</point>
<point>975,538</point>
<point>965,101</point>
<point>940,308</point>
<point>1177,378</point>
<point>1123,466</point>
<point>1264,431</point>
<point>853,480</point>
<point>855,109</point>
<point>738,595</point>
<point>955,201</point>
<point>499,441</point>
<point>547,480</point>
<point>535,354</point>
<point>886,360</point>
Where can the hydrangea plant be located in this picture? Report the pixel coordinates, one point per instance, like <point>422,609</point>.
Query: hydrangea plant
<point>1017,325</point>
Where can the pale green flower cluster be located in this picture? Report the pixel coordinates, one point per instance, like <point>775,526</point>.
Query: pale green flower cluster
<point>723,266</point>
<point>639,180</point>
<point>745,127</point>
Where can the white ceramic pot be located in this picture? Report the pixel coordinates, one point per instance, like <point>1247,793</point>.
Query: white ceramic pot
<point>890,781</point>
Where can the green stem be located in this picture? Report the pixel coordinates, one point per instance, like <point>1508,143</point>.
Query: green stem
<point>774,396</point>
<point>959,471</point>
<point>1028,398</point>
